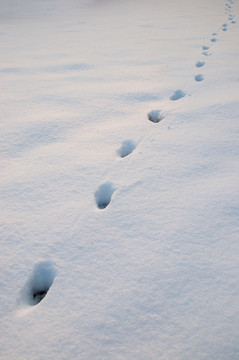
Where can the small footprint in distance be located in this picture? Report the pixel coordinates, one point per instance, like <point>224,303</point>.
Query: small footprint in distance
<point>224,27</point>
<point>200,63</point>
<point>199,77</point>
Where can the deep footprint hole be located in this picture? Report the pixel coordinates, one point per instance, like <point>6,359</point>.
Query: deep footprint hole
<point>156,116</point>
<point>38,284</point>
<point>103,195</point>
<point>127,147</point>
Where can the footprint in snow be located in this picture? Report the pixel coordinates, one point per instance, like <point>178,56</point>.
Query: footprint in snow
<point>213,39</point>
<point>205,47</point>
<point>38,285</point>
<point>178,94</point>
<point>126,148</point>
<point>233,22</point>
<point>200,63</point>
<point>103,195</point>
<point>206,53</point>
<point>156,115</point>
<point>199,77</point>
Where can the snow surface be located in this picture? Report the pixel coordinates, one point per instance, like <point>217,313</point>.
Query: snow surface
<point>154,273</point>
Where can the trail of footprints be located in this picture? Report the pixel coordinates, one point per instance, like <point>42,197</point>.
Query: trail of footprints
<point>104,193</point>
<point>39,283</point>
<point>156,115</point>
<point>206,48</point>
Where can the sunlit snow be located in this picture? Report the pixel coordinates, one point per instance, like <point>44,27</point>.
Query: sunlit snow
<point>119,180</point>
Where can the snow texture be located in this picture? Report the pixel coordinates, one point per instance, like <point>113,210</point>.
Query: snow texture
<point>119,236</point>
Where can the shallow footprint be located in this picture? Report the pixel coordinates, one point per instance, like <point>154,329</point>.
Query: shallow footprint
<point>178,94</point>
<point>126,148</point>
<point>156,116</point>
<point>103,195</point>
<point>206,53</point>
<point>199,77</point>
<point>205,47</point>
<point>200,63</point>
<point>213,39</point>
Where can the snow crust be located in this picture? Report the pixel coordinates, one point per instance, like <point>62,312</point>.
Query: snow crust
<point>119,235</point>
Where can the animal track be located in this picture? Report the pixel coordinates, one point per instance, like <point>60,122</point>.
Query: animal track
<point>200,63</point>
<point>199,77</point>
<point>103,195</point>
<point>38,284</point>
<point>206,53</point>
<point>156,115</point>
<point>126,148</point>
<point>178,94</point>
<point>224,27</point>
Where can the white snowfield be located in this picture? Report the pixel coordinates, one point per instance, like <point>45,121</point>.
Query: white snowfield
<point>119,180</point>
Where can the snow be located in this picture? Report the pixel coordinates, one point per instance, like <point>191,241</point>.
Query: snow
<point>119,235</point>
